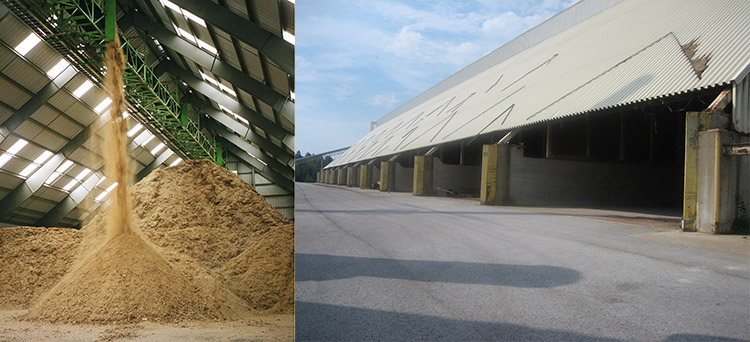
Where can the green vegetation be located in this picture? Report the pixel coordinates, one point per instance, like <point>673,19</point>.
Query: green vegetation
<point>306,170</point>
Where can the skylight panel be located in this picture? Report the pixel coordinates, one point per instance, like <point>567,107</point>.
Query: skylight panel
<point>15,148</point>
<point>291,95</point>
<point>28,170</point>
<point>60,170</point>
<point>70,185</point>
<point>171,5</point>
<point>27,44</point>
<point>187,35</point>
<point>158,148</point>
<point>58,68</point>
<point>103,105</point>
<point>227,89</point>
<point>207,46</point>
<point>85,87</point>
<point>83,174</point>
<point>101,196</point>
<point>198,20</point>
<point>179,160</point>
<point>134,130</point>
<point>38,161</point>
<point>288,36</point>
<point>151,137</point>
<point>4,158</point>
<point>209,78</point>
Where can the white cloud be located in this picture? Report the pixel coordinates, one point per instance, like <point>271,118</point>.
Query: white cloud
<point>509,25</point>
<point>380,100</point>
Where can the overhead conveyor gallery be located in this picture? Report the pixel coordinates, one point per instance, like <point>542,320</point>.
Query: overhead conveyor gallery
<point>607,104</point>
<point>204,80</point>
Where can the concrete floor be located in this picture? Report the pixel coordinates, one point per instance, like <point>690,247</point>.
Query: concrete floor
<point>390,266</point>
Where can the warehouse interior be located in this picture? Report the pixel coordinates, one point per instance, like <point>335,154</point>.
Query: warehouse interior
<point>205,80</point>
<point>602,106</point>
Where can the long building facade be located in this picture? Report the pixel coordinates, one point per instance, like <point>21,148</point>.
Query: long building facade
<point>622,103</point>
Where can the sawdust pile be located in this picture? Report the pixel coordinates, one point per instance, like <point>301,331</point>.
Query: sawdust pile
<point>210,248</point>
<point>32,260</point>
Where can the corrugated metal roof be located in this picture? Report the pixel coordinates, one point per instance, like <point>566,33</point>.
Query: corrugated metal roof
<point>628,53</point>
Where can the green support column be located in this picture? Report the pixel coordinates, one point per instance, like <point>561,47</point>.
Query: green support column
<point>219,154</point>
<point>365,176</point>
<point>495,181</point>
<point>694,122</point>
<point>422,176</point>
<point>110,18</point>
<point>387,175</point>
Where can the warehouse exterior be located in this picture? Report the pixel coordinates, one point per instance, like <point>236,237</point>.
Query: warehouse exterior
<point>609,103</point>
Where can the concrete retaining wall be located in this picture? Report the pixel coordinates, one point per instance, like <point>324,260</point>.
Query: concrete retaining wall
<point>538,181</point>
<point>404,178</point>
<point>463,178</point>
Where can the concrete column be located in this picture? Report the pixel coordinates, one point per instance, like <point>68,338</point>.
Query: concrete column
<point>341,173</point>
<point>365,176</point>
<point>387,175</point>
<point>716,183</point>
<point>495,181</point>
<point>350,176</point>
<point>317,177</point>
<point>331,174</point>
<point>422,176</point>
<point>488,184</point>
<point>694,123</point>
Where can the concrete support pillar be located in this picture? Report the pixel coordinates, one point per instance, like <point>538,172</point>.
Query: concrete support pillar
<point>716,183</point>
<point>341,173</point>
<point>330,178</point>
<point>422,175</point>
<point>495,181</point>
<point>694,123</point>
<point>350,178</point>
<point>365,176</point>
<point>317,177</point>
<point>387,176</point>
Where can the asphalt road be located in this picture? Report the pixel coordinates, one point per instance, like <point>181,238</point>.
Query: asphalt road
<point>380,266</point>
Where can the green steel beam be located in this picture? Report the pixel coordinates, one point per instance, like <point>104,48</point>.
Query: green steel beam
<point>75,28</point>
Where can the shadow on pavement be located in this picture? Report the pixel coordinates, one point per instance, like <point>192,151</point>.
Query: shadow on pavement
<point>323,322</point>
<point>318,267</point>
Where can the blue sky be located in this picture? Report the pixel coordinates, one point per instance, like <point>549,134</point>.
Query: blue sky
<point>357,60</point>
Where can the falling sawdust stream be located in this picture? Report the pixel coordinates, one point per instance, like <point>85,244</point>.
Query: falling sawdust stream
<point>115,141</point>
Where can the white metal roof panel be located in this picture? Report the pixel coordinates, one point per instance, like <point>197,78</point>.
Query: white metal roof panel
<point>12,95</point>
<point>5,113</point>
<point>50,140</point>
<point>6,56</point>
<point>628,53</point>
